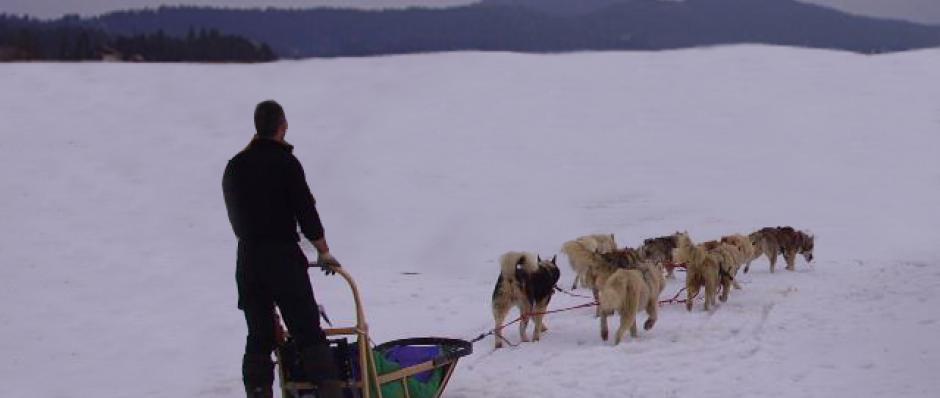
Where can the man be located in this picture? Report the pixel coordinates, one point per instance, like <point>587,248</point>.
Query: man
<point>267,196</point>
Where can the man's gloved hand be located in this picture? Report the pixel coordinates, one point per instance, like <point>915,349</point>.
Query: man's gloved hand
<point>328,262</point>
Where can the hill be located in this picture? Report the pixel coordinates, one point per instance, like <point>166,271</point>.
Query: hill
<point>529,26</point>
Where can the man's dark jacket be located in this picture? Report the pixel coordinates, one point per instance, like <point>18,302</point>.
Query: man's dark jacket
<point>267,196</point>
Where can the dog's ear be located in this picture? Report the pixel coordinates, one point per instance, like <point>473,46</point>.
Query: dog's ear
<point>553,259</point>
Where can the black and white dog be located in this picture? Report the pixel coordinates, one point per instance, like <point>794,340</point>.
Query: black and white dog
<point>527,282</point>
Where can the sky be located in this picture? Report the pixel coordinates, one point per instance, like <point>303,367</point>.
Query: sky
<point>924,11</point>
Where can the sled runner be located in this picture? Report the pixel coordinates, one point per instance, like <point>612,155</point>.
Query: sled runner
<point>407,368</point>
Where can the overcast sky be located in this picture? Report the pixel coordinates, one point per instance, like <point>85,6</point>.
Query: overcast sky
<point>927,11</point>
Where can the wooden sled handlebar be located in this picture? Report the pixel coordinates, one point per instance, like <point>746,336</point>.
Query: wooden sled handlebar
<point>361,324</point>
<point>367,368</point>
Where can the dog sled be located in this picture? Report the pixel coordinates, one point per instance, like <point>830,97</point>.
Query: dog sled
<point>407,368</point>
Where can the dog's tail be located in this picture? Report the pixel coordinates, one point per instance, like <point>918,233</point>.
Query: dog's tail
<point>605,242</point>
<point>578,254</point>
<point>724,256</point>
<point>513,262</point>
<point>742,244</point>
<point>631,299</point>
<point>683,240</point>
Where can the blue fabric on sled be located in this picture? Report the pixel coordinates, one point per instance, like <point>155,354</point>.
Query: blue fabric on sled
<point>404,356</point>
<point>409,356</point>
<point>423,385</point>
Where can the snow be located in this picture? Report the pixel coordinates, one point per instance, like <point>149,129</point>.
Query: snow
<point>118,260</point>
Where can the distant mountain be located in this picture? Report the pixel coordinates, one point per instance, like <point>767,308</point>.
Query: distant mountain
<point>537,26</point>
<point>667,24</point>
<point>557,7</point>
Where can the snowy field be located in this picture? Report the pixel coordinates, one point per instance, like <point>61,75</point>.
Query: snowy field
<point>117,275</point>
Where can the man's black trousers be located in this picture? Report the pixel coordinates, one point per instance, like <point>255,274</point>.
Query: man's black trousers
<point>270,274</point>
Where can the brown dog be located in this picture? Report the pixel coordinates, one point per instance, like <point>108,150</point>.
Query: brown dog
<point>787,241</point>
<point>703,269</point>
<point>728,257</point>
<point>659,250</point>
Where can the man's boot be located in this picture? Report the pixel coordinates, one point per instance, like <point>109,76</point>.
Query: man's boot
<point>258,375</point>
<point>320,367</point>
<point>259,392</point>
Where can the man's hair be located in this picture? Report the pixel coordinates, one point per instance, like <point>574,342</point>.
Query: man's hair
<point>268,118</point>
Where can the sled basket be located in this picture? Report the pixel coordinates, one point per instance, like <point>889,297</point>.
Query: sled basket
<point>408,368</point>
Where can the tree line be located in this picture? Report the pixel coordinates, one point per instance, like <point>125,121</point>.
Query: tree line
<point>538,26</point>
<point>70,39</point>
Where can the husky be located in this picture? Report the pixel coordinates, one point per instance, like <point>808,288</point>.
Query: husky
<point>744,253</point>
<point>608,263</point>
<point>703,270</point>
<point>604,265</point>
<point>787,241</point>
<point>743,243</point>
<point>582,257</point>
<point>628,291</point>
<point>793,242</point>
<point>728,257</point>
<point>659,250</point>
<point>527,282</point>
<point>622,258</point>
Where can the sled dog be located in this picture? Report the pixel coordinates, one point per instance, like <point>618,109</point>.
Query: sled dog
<point>622,258</point>
<point>727,256</point>
<point>628,291</point>
<point>659,250</point>
<point>743,244</point>
<point>745,252</point>
<point>526,282</point>
<point>582,257</point>
<point>605,265</point>
<point>702,270</point>
<point>787,241</point>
